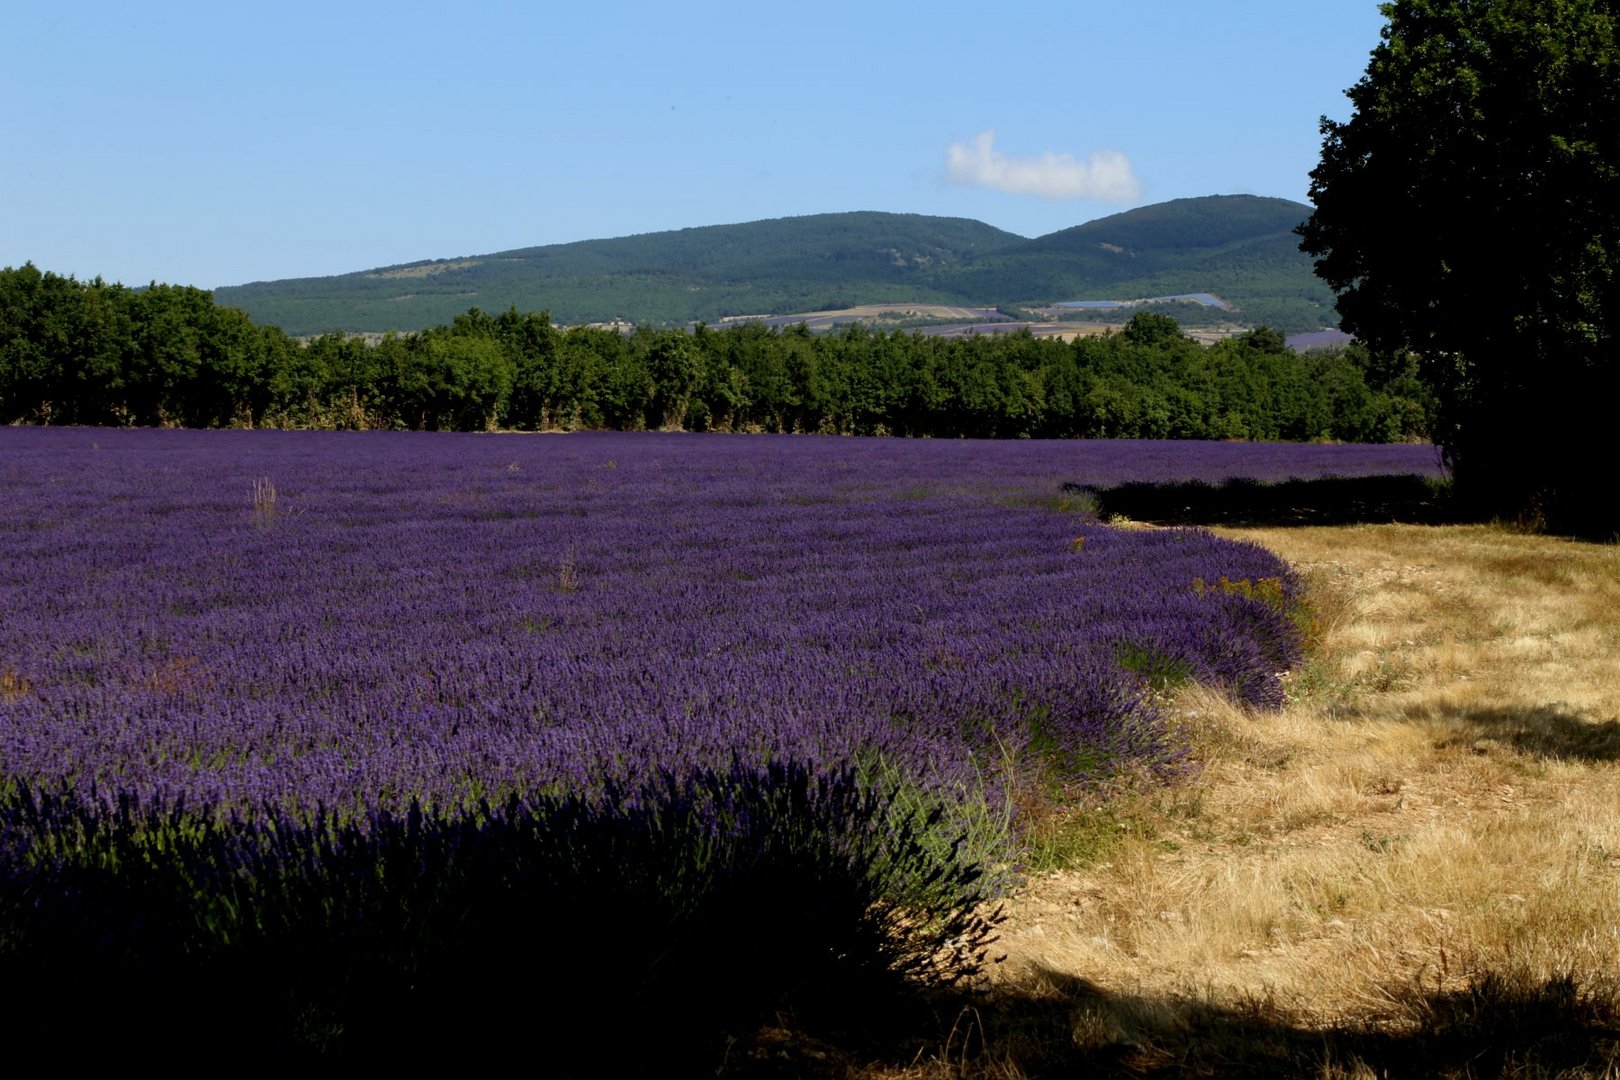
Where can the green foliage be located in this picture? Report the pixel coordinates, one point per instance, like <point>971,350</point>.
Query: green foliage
<point>95,353</point>
<point>92,353</point>
<point>1151,329</point>
<point>1469,212</point>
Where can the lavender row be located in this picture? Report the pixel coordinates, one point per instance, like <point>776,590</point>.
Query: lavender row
<point>451,617</point>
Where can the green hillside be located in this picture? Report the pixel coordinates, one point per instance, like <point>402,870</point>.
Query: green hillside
<point>1239,247</point>
<point>779,265</point>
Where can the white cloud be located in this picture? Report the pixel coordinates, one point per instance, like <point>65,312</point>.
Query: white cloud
<point>1105,175</point>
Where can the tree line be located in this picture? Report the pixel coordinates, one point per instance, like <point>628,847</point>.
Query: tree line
<point>95,353</point>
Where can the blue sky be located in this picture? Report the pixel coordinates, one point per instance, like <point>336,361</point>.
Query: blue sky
<point>216,144</point>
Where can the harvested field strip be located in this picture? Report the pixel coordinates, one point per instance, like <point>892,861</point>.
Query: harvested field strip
<point>1436,811</point>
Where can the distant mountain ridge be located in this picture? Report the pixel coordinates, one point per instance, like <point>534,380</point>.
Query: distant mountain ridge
<point>1240,247</point>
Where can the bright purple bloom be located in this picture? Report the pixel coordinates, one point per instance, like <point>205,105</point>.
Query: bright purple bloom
<point>454,616</point>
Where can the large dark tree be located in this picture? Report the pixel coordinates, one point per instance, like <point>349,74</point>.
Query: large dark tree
<point>1469,211</point>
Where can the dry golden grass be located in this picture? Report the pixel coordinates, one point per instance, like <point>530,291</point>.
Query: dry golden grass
<point>1424,842</point>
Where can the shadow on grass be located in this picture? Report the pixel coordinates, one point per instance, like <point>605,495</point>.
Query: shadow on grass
<point>1338,500</point>
<point>1542,731</point>
<point>1058,1025</point>
<point>1499,1025</point>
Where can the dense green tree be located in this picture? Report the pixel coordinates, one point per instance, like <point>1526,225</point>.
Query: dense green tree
<point>675,366</point>
<point>88,352</point>
<point>614,380</point>
<point>451,381</point>
<point>1266,339</point>
<point>39,312</point>
<point>1469,211</point>
<point>173,330</point>
<point>804,402</point>
<point>1152,328</point>
<point>91,391</point>
<point>530,343</point>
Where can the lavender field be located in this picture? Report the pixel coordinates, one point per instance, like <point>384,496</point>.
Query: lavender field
<point>342,627</point>
<point>450,617</point>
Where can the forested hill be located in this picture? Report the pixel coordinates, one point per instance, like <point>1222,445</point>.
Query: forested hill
<point>1238,246</point>
<point>661,279</point>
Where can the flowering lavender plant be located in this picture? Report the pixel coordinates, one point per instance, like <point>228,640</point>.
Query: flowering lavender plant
<point>455,618</point>
<point>436,624</point>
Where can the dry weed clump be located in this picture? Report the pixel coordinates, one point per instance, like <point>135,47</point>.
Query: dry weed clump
<point>1412,866</point>
<point>264,503</point>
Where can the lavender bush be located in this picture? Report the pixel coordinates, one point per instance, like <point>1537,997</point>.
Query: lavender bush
<point>686,905</point>
<point>258,640</point>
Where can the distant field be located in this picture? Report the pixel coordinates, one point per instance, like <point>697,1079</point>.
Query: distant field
<point>941,320</point>
<point>871,313</point>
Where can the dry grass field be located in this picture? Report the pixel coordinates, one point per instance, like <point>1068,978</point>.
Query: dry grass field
<point>1411,870</point>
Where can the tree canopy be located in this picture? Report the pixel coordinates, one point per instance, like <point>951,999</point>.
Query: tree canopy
<point>1469,211</point>
<point>76,352</point>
